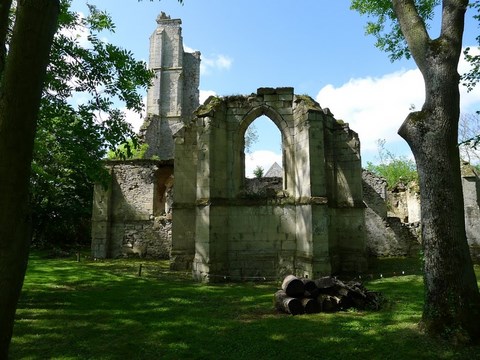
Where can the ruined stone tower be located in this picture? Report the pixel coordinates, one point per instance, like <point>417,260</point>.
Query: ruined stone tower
<point>133,215</point>
<point>174,94</point>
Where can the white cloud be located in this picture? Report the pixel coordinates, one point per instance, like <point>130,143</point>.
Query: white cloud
<point>262,158</point>
<point>134,118</point>
<point>79,33</point>
<point>376,107</point>
<point>211,63</point>
<point>188,49</point>
<point>205,94</point>
<point>217,62</point>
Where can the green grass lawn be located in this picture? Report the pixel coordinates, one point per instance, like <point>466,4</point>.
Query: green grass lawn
<point>104,310</point>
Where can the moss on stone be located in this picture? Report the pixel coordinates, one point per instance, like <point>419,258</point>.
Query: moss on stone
<point>208,106</point>
<point>309,102</point>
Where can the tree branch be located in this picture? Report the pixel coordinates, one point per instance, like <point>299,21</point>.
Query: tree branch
<point>453,19</point>
<point>413,29</point>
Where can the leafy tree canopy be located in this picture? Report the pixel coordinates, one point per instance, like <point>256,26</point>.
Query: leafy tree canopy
<point>72,139</point>
<point>386,29</point>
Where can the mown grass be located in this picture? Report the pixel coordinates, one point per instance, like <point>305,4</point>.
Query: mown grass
<point>104,310</point>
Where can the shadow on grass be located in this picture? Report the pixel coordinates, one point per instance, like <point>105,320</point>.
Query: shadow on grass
<point>72,310</point>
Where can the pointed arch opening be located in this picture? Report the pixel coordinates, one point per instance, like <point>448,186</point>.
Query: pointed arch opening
<point>263,149</point>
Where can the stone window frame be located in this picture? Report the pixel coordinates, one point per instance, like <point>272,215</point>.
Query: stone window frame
<point>285,133</point>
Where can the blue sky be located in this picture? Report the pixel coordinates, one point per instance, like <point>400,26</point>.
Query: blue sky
<point>316,46</point>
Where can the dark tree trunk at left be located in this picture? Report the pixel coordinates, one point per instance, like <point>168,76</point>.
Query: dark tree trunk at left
<point>20,93</point>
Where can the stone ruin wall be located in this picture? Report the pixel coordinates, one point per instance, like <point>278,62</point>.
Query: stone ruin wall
<point>393,217</point>
<point>133,215</point>
<point>313,225</point>
<point>387,235</point>
<point>174,94</point>
<point>134,232</point>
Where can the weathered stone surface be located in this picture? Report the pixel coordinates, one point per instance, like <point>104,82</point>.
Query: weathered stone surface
<point>396,232</point>
<point>386,235</point>
<point>133,215</point>
<point>245,227</point>
<point>174,94</point>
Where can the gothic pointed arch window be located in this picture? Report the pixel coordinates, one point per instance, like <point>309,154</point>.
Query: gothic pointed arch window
<point>263,147</point>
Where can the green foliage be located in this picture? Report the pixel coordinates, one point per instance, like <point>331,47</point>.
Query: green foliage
<point>258,172</point>
<point>395,169</point>
<point>471,78</point>
<point>128,149</point>
<point>63,167</point>
<point>386,29</point>
<point>78,302</point>
<point>72,139</point>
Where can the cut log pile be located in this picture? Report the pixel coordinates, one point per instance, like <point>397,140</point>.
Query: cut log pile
<point>326,294</point>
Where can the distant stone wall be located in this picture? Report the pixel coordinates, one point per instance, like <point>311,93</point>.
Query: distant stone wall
<point>393,226</point>
<point>386,235</point>
<point>404,202</point>
<point>471,199</point>
<point>263,186</point>
<point>152,238</point>
<point>174,94</point>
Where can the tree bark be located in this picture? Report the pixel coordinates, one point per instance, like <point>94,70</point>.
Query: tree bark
<point>20,94</point>
<point>452,300</point>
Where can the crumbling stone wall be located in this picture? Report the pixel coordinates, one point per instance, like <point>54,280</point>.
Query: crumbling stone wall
<point>133,214</point>
<point>404,202</point>
<point>313,225</point>
<point>393,217</point>
<point>312,221</point>
<point>471,199</point>
<point>386,235</point>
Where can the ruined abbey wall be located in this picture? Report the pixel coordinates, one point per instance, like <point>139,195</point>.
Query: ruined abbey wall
<point>314,225</point>
<point>189,200</point>
<point>133,214</point>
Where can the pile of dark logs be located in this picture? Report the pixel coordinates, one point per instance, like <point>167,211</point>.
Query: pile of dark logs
<point>326,294</point>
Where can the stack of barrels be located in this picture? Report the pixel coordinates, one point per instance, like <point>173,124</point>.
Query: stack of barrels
<point>326,294</point>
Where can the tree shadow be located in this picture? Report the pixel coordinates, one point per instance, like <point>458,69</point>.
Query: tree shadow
<point>86,311</point>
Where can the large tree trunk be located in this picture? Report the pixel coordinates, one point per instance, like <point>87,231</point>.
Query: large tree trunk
<point>20,94</point>
<point>452,300</point>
